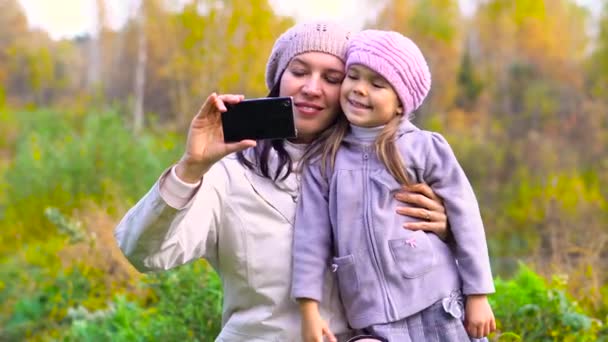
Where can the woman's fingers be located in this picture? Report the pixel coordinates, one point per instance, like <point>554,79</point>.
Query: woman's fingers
<point>231,98</point>
<point>419,200</point>
<point>423,214</point>
<point>224,99</point>
<point>437,228</point>
<point>424,189</point>
<point>239,146</point>
<point>217,102</point>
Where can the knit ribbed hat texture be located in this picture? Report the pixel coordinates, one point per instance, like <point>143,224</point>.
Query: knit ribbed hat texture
<point>397,59</point>
<point>317,36</point>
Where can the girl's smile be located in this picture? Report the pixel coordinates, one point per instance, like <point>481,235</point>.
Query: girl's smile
<point>367,99</point>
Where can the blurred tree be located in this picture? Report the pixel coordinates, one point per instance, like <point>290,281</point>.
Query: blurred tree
<point>13,26</point>
<point>205,46</point>
<point>469,84</point>
<point>436,26</point>
<point>598,72</point>
<point>216,46</point>
<point>94,68</point>
<point>140,71</point>
<point>526,40</point>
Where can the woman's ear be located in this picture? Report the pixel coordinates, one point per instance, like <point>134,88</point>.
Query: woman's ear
<point>400,110</point>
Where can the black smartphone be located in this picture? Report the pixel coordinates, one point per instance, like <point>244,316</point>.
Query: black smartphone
<point>261,118</point>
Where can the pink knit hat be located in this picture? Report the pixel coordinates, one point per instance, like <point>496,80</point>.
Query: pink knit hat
<point>319,36</point>
<point>397,59</point>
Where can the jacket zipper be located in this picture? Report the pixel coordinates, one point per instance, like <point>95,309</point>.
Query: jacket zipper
<point>390,310</point>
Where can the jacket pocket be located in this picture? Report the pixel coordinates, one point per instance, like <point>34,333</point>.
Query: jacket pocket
<point>348,281</point>
<point>413,255</point>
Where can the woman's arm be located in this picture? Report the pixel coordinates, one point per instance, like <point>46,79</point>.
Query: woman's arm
<point>426,206</point>
<point>159,234</point>
<point>171,225</point>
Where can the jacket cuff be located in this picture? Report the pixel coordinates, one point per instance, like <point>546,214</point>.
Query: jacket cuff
<point>309,293</point>
<point>176,192</point>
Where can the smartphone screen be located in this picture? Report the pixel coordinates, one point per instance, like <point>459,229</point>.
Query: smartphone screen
<point>257,119</point>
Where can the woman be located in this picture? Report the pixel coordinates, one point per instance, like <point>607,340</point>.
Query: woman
<point>237,209</point>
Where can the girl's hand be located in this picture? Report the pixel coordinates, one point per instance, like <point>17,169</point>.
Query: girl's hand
<point>205,144</point>
<point>479,318</point>
<point>313,326</point>
<point>427,207</point>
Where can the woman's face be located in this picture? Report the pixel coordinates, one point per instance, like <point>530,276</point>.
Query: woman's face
<point>313,80</point>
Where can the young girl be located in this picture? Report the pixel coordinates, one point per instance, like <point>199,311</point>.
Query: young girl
<point>398,284</point>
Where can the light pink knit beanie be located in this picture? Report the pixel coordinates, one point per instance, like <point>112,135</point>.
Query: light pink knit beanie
<point>318,36</point>
<point>397,59</point>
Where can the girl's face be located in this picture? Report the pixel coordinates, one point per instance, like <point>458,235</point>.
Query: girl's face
<point>313,80</point>
<point>367,99</point>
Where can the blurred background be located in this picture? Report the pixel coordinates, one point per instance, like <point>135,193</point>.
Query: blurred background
<point>96,96</point>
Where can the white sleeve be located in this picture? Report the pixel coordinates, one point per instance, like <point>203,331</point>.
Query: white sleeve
<point>155,235</point>
<point>176,192</point>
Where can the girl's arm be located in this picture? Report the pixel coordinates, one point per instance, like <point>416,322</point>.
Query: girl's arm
<point>312,244</point>
<point>444,174</point>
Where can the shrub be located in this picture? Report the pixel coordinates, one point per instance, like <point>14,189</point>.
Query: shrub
<point>535,311</point>
<point>64,163</point>
<point>188,308</point>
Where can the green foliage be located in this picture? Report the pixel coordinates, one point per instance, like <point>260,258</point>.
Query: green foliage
<point>536,311</point>
<point>73,229</point>
<point>188,309</point>
<point>62,161</point>
<point>38,291</point>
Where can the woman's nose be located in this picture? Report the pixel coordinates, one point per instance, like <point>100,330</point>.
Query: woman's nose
<point>312,87</point>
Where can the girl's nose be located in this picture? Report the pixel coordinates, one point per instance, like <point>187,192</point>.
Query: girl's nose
<point>359,89</point>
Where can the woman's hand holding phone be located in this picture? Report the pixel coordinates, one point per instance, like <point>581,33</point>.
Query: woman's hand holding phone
<point>205,144</point>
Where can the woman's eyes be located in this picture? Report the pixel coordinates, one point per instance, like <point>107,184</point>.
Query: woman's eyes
<point>333,79</point>
<point>298,72</point>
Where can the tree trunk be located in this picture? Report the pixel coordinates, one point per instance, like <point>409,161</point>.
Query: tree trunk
<point>94,49</point>
<point>140,73</point>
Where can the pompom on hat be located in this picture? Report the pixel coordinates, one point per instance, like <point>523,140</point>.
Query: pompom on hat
<point>316,36</point>
<point>397,59</point>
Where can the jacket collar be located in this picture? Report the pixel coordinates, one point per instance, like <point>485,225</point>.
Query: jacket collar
<point>405,126</point>
<point>281,195</point>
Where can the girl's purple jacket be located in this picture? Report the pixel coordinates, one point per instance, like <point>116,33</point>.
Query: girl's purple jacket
<point>347,221</point>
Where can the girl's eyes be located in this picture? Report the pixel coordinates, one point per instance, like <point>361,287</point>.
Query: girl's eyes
<point>374,83</point>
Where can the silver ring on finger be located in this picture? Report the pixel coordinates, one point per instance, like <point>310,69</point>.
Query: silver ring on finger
<point>427,215</point>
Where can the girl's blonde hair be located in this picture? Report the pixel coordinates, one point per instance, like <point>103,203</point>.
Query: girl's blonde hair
<point>327,145</point>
